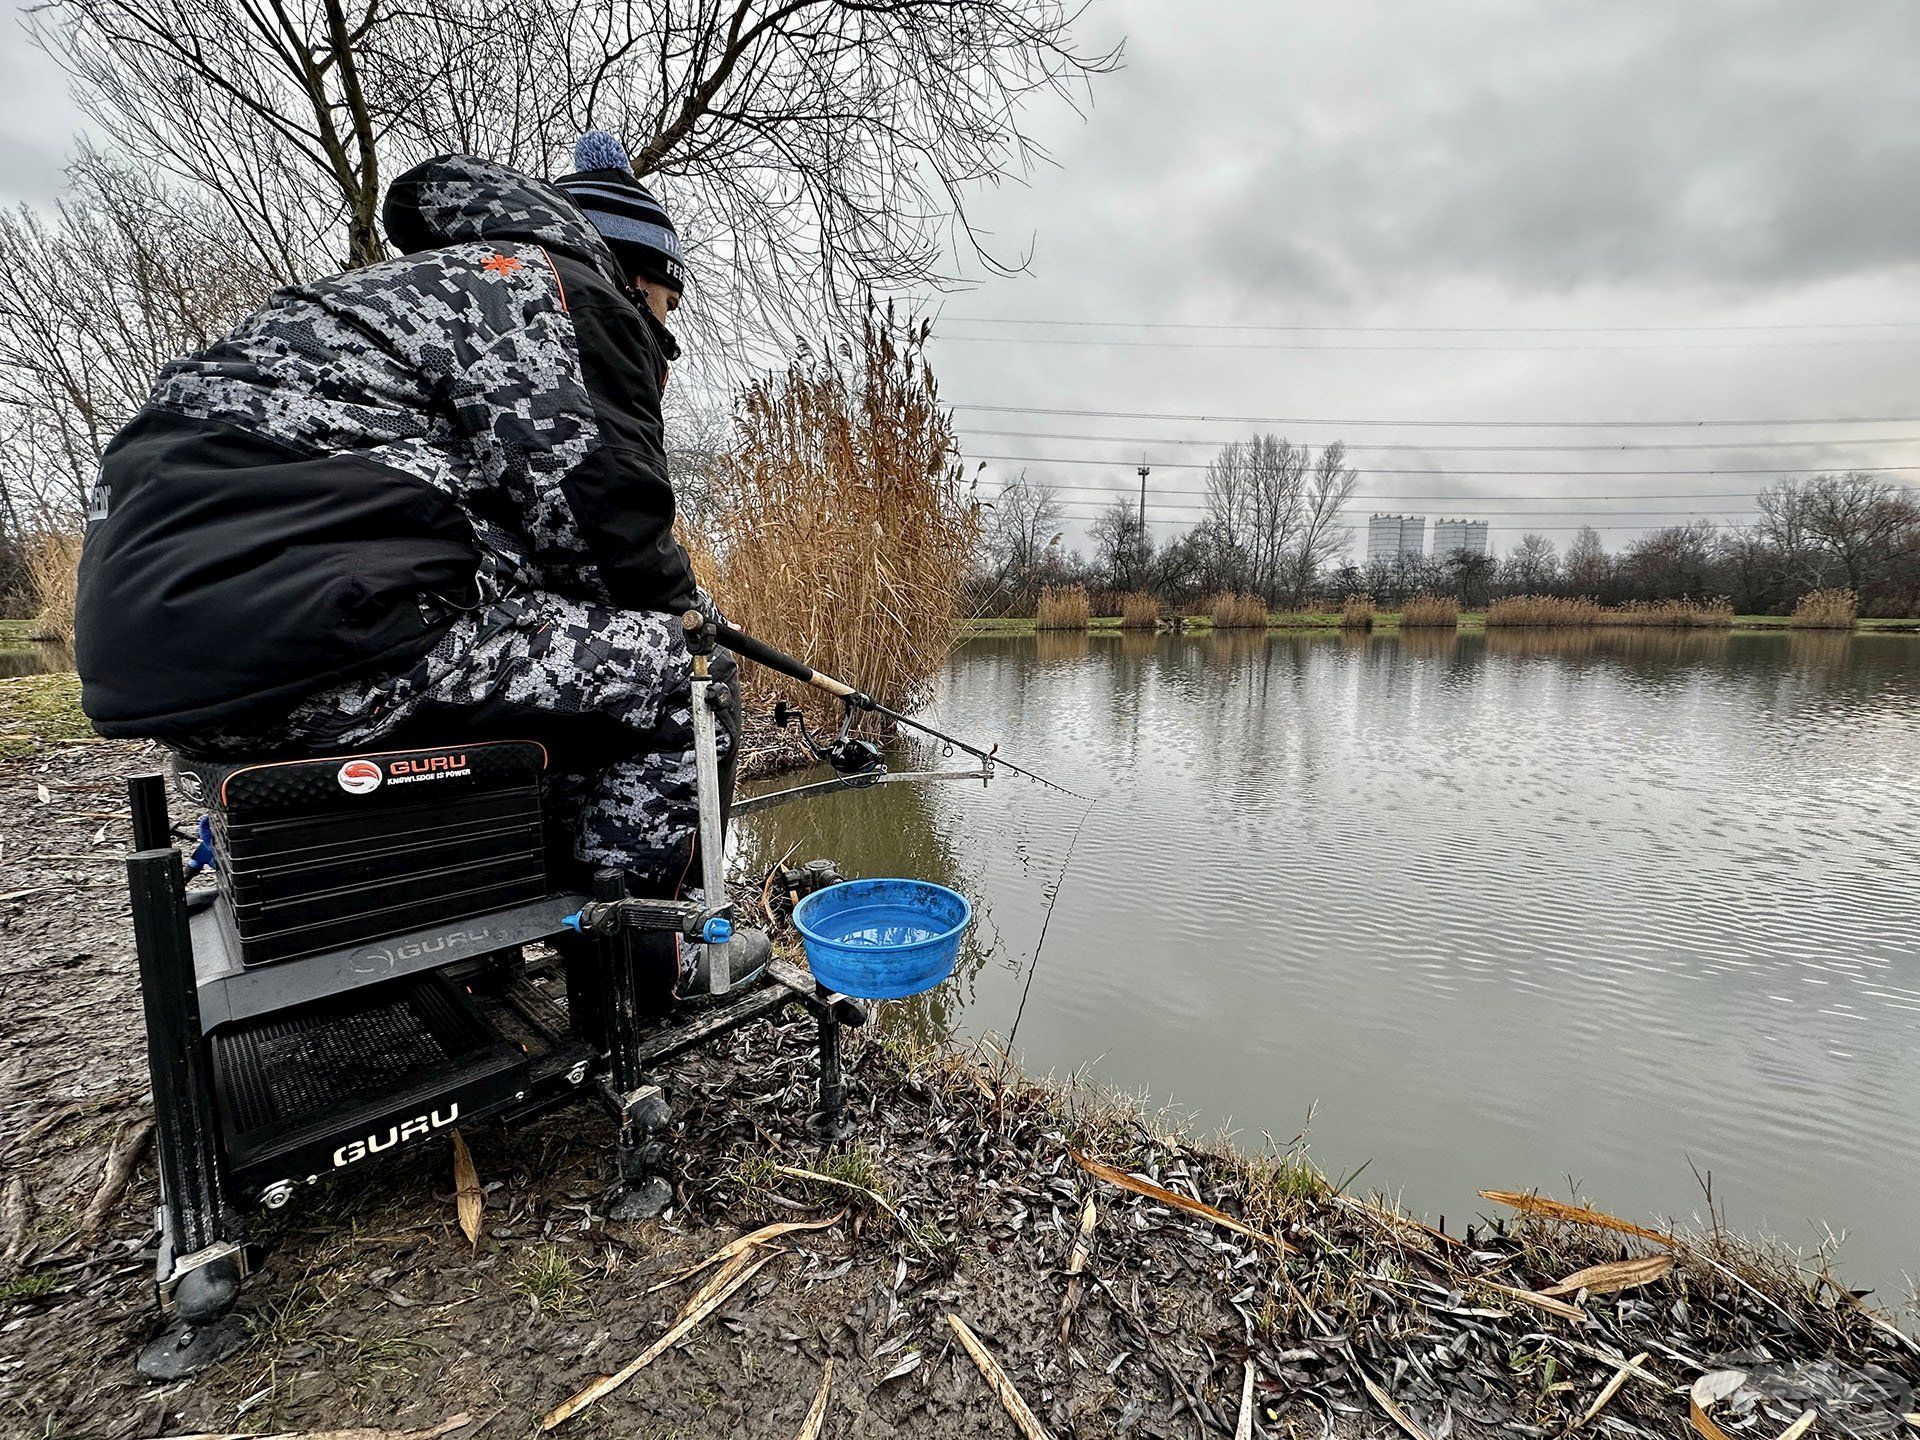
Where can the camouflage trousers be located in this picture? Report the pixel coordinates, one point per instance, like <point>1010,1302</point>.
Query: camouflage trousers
<point>611,686</point>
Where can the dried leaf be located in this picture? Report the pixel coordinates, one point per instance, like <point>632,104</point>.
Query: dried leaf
<point>46,795</point>
<point>1537,1300</point>
<point>1716,1385</point>
<point>762,1236</point>
<point>468,1198</point>
<point>1176,1200</point>
<point>1576,1214</point>
<point>1077,1259</point>
<point>1620,1275</point>
<point>997,1381</point>
<point>1385,1401</point>
<point>1244,1429</point>
<point>797,1173</point>
<point>1703,1422</point>
<point>909,1363</point>
<point>445,1427</point>
<point>817,1412</point>
<point>1709,1390</point>
<point>1800,1426</point>
<point>708,1298</point>
<point>1609,1390</point>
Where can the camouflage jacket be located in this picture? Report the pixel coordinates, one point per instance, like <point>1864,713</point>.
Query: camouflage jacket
<point>315,496</point>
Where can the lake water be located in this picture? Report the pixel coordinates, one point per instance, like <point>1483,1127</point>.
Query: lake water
<point>33,657</point>
<point>1589,912</point>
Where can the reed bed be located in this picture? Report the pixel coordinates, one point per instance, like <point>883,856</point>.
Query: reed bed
<point>1357,613</point>
<point>53,580</point>
<point>1437,611</point>
<point>1562,612</point>
<point>1826,610</point>
<point>1139,611</point>
<point>1671,614</point>
<point>1239,612</point>
<point>1541,610</point>
<point>1063,607</point>
<point>840,530</point>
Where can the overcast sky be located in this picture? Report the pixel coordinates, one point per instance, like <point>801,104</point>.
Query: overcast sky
<point>1477,163</point>
<point>1474,163</point>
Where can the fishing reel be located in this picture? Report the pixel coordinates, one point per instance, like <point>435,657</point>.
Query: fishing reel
<point>845,753</point>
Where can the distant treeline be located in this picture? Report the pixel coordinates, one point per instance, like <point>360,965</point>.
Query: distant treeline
<point>1275,527</point>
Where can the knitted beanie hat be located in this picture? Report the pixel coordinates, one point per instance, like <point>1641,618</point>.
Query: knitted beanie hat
<point>632,222</point>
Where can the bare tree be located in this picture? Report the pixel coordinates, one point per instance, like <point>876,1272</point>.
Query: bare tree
<point>1532,567</point>
<point>812,149</point>
<point>1121,547</point>
<point>1322,539</point>
<point>1279,510</point>
<point>1864,523</point>
<point>121,278</point>
<point>1023,528</point>
<point>1588,569</point>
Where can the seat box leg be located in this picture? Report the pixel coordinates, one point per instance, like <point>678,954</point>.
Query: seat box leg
<point>640,1108</point>
<point>200,1261</point>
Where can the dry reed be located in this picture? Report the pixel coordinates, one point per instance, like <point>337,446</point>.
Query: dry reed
<point>1826,610</point>
<point>840,530</point>
<point>53,580</point>
<point>1239,612</point>
<point>1555,610</point>
<point>1541,610</point>
<point>1356,613</point>
<point>1440,611</point>
<point>1139,611</point>
<point>1063,607</point>
<point>1672,614</point>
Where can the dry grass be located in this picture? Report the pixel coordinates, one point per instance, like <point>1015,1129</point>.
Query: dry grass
<point>1357,613</point>
<point>53,578</point>
<point>1826,610</point>
<point>1672,614</point>
<point>1063,607</point>
<point>1139,611</point>
<point>1439,611</point>
<point>1239,612</point>
<point>1541,610</point>
<point>1554,610</point>
<point>841,532</point>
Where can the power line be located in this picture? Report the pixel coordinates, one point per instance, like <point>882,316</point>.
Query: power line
<point>1431,329</point>
<point>1439,424</point>
<point>1428,449</point>
<point>1452,502</point>
<point>1500,349</point>
<point>1388,470</point>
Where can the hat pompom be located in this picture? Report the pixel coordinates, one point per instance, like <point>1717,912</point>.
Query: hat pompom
<point>597,150</point>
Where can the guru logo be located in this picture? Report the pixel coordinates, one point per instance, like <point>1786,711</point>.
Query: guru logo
<point>358,777</point>
<point>406,1130</point>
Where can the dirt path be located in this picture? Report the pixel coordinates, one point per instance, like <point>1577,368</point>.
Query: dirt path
<point>372,1309</point>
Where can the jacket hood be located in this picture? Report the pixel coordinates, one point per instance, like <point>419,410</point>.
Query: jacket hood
<point>453,199</point>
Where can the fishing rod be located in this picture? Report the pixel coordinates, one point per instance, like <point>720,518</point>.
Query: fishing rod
<point>761,653</point>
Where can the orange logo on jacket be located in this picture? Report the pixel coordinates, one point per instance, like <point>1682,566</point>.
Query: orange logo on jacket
<point>500,265</point>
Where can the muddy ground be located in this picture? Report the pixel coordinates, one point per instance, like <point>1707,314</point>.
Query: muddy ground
<point>958,1195</point>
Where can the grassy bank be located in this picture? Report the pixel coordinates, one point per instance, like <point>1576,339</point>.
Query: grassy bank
<point>1471,621</point>
<point>36,709</point>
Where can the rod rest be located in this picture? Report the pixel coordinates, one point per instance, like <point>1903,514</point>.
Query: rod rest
<point>712,924</point>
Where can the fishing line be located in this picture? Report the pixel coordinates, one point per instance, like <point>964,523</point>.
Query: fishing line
<point>1034,964</point>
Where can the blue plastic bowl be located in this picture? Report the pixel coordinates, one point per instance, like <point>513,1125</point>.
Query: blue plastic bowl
<point>882,939</point>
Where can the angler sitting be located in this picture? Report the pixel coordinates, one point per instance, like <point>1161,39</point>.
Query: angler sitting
<point>428,500</point>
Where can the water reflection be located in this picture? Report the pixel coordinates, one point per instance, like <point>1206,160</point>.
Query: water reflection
<point>1508,907</point>
<point>35,658</point>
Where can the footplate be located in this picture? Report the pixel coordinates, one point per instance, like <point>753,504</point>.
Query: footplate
<point>309,1092</point>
